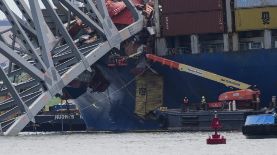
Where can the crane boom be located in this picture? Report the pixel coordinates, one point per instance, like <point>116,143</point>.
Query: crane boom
<point>198,72</point>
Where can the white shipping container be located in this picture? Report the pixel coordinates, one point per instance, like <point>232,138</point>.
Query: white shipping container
<point>254,3</point>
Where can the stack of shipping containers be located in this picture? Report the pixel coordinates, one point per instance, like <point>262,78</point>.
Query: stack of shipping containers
<point>256,23</point>
<point>205,26</point>
<point>188,19</point>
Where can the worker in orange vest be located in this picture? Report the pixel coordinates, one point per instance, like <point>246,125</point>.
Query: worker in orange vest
<point>186,104</point>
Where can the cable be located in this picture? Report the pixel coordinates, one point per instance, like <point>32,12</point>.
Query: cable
<point>122,82</point>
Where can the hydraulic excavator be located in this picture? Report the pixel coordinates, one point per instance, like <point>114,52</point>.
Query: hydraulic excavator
<point>245,97</point>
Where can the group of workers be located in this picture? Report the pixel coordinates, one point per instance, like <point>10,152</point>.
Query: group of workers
<point>203,106</point>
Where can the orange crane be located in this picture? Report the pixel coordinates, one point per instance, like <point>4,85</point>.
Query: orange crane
<point>245,97</point>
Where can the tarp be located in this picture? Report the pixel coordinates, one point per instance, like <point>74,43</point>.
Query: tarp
<point>264,119</point>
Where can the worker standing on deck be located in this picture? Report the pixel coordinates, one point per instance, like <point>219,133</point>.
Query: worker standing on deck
<point>186,104</point>
<point>203,103</point>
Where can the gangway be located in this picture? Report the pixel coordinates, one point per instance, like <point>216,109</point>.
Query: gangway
<point>51,60</point>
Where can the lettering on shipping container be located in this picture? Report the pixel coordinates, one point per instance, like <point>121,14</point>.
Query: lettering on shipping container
<point>142,91</point>
<point>265,17</point>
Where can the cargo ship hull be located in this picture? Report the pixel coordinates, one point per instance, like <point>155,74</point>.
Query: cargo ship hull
<point>114,108</point>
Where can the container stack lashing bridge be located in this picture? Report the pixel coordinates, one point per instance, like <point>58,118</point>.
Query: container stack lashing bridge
<point>42,49</point>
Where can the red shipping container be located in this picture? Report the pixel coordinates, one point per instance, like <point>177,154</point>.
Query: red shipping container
<point>193,23</point>
<point>185,6</point>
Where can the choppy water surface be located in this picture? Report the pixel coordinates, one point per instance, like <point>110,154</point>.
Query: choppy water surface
<point>133,143</point>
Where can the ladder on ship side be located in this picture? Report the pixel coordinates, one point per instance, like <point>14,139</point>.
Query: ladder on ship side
<point>49,60</point>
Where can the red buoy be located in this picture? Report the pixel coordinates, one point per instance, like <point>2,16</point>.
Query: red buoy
<point>216,138</point>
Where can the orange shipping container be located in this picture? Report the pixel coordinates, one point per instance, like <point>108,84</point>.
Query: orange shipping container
<point>256,19</point>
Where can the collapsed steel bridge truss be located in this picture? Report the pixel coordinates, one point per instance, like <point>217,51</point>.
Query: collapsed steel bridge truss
<point>50,59</point>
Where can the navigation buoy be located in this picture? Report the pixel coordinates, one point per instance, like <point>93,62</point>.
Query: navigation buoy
<point>216,138</point>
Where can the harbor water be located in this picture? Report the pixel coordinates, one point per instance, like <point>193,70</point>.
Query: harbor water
<point>134,144</point>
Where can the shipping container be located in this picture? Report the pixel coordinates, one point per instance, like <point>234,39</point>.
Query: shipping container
<point>193,23</point>
<point>254,3</point>
<point>184,6</point>
<point>256,19</point>
<point>149,93</point>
